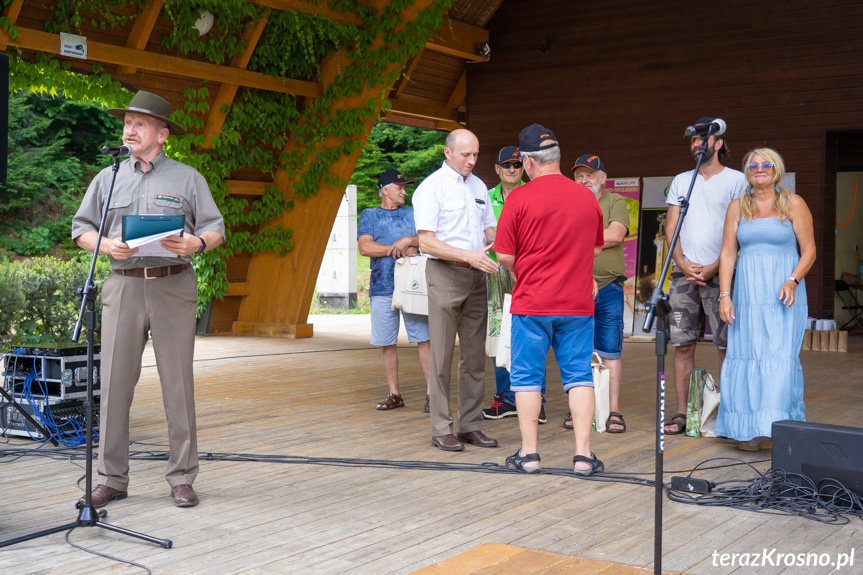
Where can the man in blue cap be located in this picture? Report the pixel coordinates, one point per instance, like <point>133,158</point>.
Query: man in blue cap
<point>548,236</point>
<point>510,171</point>
<point>385,234</point>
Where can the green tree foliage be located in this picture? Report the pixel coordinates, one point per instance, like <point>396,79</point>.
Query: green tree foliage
<point>53,151</point>
<point>414,151</point>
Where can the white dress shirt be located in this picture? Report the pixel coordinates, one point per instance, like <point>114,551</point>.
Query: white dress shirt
<point>458,210</point>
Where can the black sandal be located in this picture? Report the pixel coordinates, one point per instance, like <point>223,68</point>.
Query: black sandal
<point>618,420</point>
<point>567,421</point>
<point>680,425</point>
<point>596,466</point>
<point>517,461</point>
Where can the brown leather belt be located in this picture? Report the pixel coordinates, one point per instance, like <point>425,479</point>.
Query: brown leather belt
<point>456,264</point>
<point>153,273</point>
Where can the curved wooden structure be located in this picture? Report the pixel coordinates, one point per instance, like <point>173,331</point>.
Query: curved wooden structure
<point>270,295</point>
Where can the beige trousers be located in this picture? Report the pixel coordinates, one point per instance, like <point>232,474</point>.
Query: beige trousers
<point>132,307</point>
<point>457,306</point>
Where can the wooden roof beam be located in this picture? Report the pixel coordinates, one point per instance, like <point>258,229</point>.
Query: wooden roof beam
<point>12,12</point>
<point>424,111</point>
<point>405,78</point>
<point>227,92</point>
<point>311,7</point>
<point>458,93</point>
<point>455,100</point>
<point>453,37</point>
<point>458,39</point>
<point>141,31</point>
<point>119,55</point>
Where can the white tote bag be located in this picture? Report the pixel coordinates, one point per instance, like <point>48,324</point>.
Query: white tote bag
<point>601,390</point>
<point>709,406</point>
<point>410,292</point>
<point>504,342</point>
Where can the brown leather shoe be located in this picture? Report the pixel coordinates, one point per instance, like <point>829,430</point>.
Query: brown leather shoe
<point>477,438</point>
<point>102,494</point>
<point>184,495</point>
<point>447,442</point>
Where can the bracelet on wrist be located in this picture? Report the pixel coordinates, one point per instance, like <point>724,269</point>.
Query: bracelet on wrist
<point>723,294</point>
<point>792,278</point>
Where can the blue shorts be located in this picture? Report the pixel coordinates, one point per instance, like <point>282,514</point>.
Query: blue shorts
<point>608,318</point>
<point>385,323</point>
<point>570,336</point>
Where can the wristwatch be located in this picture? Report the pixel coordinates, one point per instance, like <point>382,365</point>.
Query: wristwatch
<point>203,245</point>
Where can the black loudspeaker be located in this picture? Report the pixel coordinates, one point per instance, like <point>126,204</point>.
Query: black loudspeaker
<point>4,114</point>
<point>820,451</point>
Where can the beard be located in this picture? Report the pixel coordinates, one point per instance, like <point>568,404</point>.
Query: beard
<point>595,188</point>
<point>707,155</point>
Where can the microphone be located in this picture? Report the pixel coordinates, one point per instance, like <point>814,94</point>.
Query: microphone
<point>118,151</point>
<point>714,128</point>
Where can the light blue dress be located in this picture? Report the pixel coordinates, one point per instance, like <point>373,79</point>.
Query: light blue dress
<point>762,380</point>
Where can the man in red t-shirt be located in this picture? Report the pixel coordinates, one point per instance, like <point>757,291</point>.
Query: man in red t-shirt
<point>548,234</point>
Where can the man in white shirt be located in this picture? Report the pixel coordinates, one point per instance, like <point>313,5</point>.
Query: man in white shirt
<point>455,224</point>
<point>694,292</point>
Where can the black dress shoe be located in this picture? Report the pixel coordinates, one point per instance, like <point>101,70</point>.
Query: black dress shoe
<point>102,494</point>
<point>477,438</point>
<point>447,442</point>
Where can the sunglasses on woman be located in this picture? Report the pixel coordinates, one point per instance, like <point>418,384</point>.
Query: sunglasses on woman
<point>765,165</point>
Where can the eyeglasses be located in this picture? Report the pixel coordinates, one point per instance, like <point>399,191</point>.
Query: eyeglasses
<point>513,165</point>
<point>765,165</point>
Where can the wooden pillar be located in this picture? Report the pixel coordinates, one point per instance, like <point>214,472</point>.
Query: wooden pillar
<point>281,288</point>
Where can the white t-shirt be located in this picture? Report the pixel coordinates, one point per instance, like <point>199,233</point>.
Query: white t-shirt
<point>701,234</point>
<point>458,210</point>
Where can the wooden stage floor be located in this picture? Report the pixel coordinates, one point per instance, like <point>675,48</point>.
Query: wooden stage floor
<point>315,398</point>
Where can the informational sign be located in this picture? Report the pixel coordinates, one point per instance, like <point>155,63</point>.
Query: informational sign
<point>655,192</point>
<point>73,46</point>
<point>630,189</point>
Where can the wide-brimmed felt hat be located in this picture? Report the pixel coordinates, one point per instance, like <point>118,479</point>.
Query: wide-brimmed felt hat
<point>151,105</point>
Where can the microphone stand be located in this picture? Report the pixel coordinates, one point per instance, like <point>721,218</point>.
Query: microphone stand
<point>88,516</point>
<point>658,308</point>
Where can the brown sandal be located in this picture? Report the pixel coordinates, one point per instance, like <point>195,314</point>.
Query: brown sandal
<point>391,402</point>
<point>615,418</point>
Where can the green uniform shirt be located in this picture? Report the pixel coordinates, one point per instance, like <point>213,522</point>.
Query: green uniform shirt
<point>496,195</point>
<point>609,265</point>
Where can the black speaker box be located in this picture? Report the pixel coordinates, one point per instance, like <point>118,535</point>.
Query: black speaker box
<point>820,451</point>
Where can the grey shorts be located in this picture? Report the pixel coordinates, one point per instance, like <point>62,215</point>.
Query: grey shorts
<point>385,323</point>
<point>690,304</point>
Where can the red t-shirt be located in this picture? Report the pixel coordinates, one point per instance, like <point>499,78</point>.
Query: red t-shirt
<point>551,226</point>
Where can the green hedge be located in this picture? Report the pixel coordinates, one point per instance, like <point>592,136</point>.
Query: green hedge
<point>38,301</point>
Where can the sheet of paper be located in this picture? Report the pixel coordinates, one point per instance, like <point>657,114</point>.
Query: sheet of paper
<point>150,246</point>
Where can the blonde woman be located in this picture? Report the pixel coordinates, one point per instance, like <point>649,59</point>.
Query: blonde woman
<point>762,380</point>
